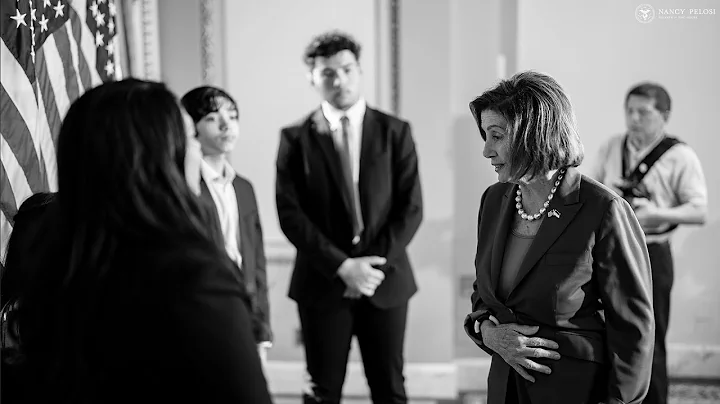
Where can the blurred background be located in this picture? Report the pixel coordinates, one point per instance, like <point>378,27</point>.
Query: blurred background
<point>424,60</point>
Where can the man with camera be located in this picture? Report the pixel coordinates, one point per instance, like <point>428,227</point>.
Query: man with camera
<point>663,180</point>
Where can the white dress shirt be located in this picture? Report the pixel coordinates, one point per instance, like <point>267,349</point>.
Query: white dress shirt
<point>355,115</point>
<point>223,194</point>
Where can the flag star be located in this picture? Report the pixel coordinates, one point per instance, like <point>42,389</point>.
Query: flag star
<point>99,39</point>
<point>109,68</point>
<point>101,1</point>
<point>100,19</point>
<point>112,8</point>
<point>59,9</point>
<point>94,9</point>
<point>46,3</point>
<point>43,23</point>
<point>111,26</point>
<point>19,19</point>
<point>110,47</point>
<point>32,14</point>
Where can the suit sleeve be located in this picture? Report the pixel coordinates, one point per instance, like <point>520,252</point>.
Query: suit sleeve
<point>622,265</point>
<point>407,210</point>
<point>295,224</point>
<point>215,338</point>
<point>480,311</point>
<point>261,314</point>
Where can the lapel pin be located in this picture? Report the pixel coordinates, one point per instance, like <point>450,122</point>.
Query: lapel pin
<point>555,213</point>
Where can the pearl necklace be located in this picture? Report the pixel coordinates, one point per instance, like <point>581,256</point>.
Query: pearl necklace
<point>536,216</point>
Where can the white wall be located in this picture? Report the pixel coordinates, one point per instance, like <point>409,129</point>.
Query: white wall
<point>179,32</point>
<point>264,71</point>
<point>597,51</point>
<point>449,54</point>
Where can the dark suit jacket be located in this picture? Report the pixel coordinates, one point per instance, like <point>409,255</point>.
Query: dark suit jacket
<point>252,249</point>
<point>585,281</point>
<point>315,214</point>
<point>169,323</point>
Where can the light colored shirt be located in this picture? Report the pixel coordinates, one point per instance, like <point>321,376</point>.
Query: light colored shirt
<point>516,248</point>
<point>675,179</point>
<point>223,194</point>
<point>355,115</point>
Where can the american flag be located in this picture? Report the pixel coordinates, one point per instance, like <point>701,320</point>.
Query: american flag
<point>51,52</point>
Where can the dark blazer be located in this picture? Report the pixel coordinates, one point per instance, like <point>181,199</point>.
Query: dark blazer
<point>252,249</point>
<point>315,214</point>
<point>169,323</point>
<point>585,281</point>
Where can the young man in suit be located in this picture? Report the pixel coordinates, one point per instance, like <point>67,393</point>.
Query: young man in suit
<point>349,200</point>
<point>215,115</point>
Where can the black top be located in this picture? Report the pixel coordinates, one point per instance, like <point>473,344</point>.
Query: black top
<point>169,323</point>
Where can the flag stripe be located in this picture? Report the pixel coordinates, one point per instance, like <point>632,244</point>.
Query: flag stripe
<point>47,146</point>
<point>5,230</point>
<point>19,141</point>
<point>73,56</point>
<point>22,92</point>
<point>83,68</point>
<point>8,206</point>
<point>87,39</point>
<point>57,61</point>
<point>63,46</point>
<point>19,187</point>
<point>54,99</point>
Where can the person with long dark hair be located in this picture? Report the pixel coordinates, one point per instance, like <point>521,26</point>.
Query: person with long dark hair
<point>131,296</point>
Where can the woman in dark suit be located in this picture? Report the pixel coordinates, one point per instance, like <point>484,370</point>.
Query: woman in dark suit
<point>562,296</point>
<point>128,295</point>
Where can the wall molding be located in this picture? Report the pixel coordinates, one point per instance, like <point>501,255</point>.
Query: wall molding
<point>468,376</point>
<point>141,36</point>
<point>422,380</point>
<point>211,42</point>
<point>685,361</point>
<point>387,48</point>
<point>150,40</point>
<point>395,55</point>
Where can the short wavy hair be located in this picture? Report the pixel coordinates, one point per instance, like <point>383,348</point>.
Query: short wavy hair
<point>541,123</point>
<point>655,92</point>
<point>329,43</point>
<point>201,101</point>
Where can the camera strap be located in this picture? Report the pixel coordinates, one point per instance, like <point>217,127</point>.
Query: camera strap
<point>644,166</point>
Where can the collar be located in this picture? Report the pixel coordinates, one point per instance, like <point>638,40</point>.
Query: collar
<point>355,114</point>
<point>211,176</point>
<point>638,150</point>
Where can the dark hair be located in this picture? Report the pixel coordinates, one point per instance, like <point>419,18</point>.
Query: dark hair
<point>328,44</point>
<point>120,159</point>
<point>653,91</point>
<point>201,101</point>
<point>541,123</point>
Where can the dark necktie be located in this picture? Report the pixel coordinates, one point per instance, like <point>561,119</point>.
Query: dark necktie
<point>350,188</point>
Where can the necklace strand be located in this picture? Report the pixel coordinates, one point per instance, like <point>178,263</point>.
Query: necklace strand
<point>538,215</point>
